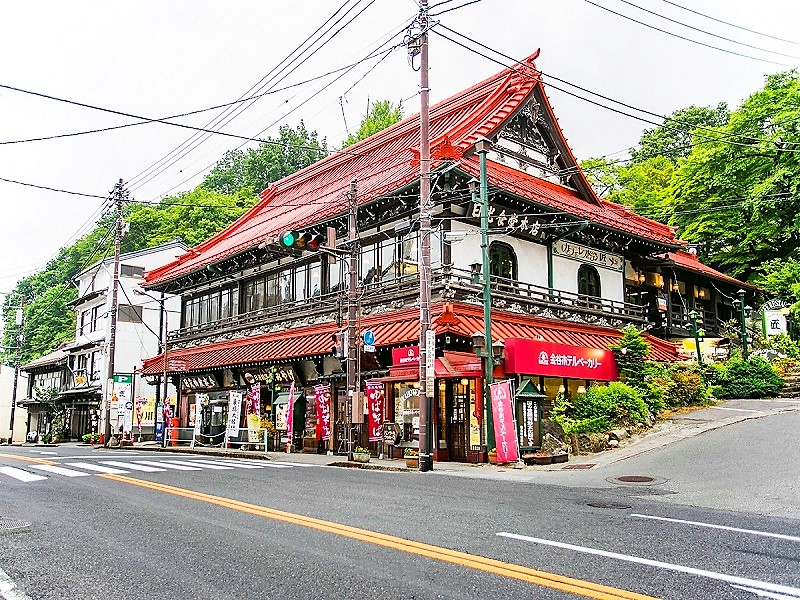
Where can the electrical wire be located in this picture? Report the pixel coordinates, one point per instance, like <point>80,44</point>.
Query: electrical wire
<point>730,24</point>
<point>619,14</point>
<point>682,24</point>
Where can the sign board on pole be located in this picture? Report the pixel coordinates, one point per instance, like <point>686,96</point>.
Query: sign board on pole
<point>234,413</point>
<point>505,423</point>
<point>369,337</point>
<point>122,397</point>
<point>198,412</point>
<point>430,361</point>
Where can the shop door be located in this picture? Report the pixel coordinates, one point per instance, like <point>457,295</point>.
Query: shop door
<point>459,425</point>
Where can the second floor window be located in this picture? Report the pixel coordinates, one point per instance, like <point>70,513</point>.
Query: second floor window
<point>588,281</point>
<point>502,261</point>
<point>128,313</point>
<point>131,271</point>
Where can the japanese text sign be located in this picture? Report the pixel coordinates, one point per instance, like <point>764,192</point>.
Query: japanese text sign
<point>290,414</point>
<point>375,410</point>
<point>322,395</point>
<point>532,357</point>
<point>505,424</point>
<point>234,412</point>
<point>405,356</point>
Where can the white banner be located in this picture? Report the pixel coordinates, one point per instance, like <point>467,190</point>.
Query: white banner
<point>198,411</point>
<point>234,413</point>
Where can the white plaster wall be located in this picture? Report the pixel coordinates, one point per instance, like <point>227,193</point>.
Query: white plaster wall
<point>565,277</point>
<point>531,257</point>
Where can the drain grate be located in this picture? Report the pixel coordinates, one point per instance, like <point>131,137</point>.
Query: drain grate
<point>577,466</point>
<point>617,505</point>
<point>8,525</point>
<point>636,479</point>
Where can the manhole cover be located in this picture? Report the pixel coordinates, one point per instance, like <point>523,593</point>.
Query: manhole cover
<point>7,525</point>
<point>617,505</point>
<point>583,466</point>
<point>636,479</point>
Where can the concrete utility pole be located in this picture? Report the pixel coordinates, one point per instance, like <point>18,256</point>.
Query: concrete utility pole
<point>353,386</point>
<point>119,194</point>
<point>426,386</point>
<point>20,322</point>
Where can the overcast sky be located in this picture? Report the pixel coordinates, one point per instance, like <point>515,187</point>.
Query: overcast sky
<point>157,59</point>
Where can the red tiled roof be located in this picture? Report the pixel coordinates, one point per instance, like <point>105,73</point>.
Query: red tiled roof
<point>383,163</point>
<point>690,262</point>
<point>391,329</point>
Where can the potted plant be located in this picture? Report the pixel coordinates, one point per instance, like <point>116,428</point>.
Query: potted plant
<point>361,455</point>
<point>412,458</point>
<point>493,456</point>
<point>542,458</point>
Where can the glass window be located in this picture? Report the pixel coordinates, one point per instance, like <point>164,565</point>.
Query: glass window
<point>131,271</point>
<point>436,250</point>
<point>367,264</point>
<point>271,294</point>
<point>502,261</point>
<point>129,314</point>
<point>202,309</point>
<point>314,280</point>
<point>409,254</point>
<point>552,386</point>
<point>588,281</point>
<point>285,287</point>
<point>95,318</point>
<point>85,315</point>
<point>335,276</point>
<point>300,282</point>
<point>388,262</point>
<point>213,307</point>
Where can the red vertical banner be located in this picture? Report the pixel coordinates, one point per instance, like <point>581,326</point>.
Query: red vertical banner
<point>322,395</point>
<point>254,399</point>
<point>375,408</point>
<point>505,427</point>
<point>290,416</point>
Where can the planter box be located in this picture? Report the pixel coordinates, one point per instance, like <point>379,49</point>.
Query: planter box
<point>412,462</point>
<point>360,457</point>
<point>560,458</point>
<point>543,460</point>
<point>492,458</point>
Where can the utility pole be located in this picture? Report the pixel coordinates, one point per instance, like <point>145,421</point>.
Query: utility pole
<point>353,386</point>
<point>426,386</point>
<point>119,194</point>
<point>20,322</point>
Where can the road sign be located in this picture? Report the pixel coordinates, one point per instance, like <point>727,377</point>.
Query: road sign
<point>369,337</point>
<point>368,348</point>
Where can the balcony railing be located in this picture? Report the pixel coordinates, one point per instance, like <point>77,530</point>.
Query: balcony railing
<point>447,283</point>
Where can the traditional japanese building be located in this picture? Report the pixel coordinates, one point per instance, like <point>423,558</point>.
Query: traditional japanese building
<point>567,270</point>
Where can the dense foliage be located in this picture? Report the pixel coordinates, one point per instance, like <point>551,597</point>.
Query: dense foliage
<point>728,180</point>
<point>601,408</point>
<point>753,378</point>
<point>383,114</point>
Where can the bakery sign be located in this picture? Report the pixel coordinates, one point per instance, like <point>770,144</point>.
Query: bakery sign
<point>593,256</point>
<point>534,357</point>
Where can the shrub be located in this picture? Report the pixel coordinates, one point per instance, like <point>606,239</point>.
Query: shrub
<point>754,378</point>
<point>629,354</point>
<point>686,386</point>
<point>618,403</point>
<point>784,344</point>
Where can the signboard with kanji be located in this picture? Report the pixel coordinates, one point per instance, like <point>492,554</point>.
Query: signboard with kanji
<point>533,357</point>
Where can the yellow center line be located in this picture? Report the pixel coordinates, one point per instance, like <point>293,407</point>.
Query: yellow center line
<point>480,563</point>
<point>40,461</point>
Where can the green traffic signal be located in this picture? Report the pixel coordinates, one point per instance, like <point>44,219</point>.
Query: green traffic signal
<point>289,239</point>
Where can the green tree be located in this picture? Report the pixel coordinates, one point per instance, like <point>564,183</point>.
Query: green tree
<point>383,114</point>
<point>674,138</point>
<point>738,195</point>
<point>251,171</point>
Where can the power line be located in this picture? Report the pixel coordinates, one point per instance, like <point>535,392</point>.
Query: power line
<point>682,24</point>
<point>453,8</point>
<point>619,14</point>
<point>589,100</point>
<point>193,112</point>
<point>50,189</point>
<point>136,182</point>
<point>731,24</point>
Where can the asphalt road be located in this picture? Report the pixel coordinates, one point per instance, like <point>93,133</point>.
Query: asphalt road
<point>277,531</point>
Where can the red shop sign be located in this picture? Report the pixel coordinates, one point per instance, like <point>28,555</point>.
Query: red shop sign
<point>532,357</point>
<point>402,357</point>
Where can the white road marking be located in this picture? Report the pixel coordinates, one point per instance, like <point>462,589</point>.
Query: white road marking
<point>20,474</point>
<point>196,463</point>
<point>43,452</point>
<point>60,471</point>
<point>737,409</point>
<point>731,579</point>
<point>223,463</point>
<point>289,464</point>
<point>241,462</point>
<point>9,590</point>
<point>98,468</point>
<point>169,465</point>
<point>132,466</point>
<point>779,536</point>
<point>764,593</point>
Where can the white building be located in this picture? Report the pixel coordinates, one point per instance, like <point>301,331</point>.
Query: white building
<point>139,327</point>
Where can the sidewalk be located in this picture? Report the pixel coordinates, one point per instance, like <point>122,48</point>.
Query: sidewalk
<point>678,427</point>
